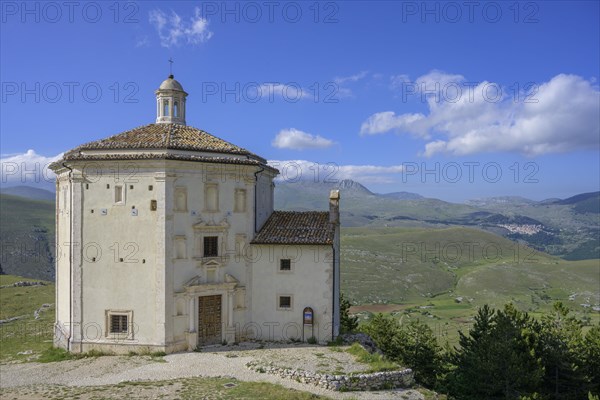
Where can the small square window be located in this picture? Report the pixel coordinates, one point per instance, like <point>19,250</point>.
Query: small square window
<point>211,246</point>
<point>285,302</point>
<point>119,324</point>
<point>150,187</point>
<point>285,264</point>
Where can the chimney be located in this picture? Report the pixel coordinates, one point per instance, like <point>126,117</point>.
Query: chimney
<point>334,207</point>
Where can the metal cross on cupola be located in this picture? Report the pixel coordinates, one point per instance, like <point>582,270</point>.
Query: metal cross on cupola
<point>170,101</point>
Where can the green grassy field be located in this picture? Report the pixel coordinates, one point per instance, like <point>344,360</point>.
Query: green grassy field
<point>441,276</point>
<point>26,335</point>
<point>27,237</point>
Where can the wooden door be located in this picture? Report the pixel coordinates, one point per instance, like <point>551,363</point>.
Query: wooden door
<point>209,319</point>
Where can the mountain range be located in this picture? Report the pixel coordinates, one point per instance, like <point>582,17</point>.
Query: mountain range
<point>568,228</point>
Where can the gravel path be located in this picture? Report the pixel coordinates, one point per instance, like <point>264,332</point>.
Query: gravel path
<point>111,370</point>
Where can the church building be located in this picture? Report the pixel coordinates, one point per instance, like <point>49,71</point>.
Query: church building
<point>167,240</point>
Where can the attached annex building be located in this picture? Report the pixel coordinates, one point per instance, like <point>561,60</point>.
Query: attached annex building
<point>167,239</point>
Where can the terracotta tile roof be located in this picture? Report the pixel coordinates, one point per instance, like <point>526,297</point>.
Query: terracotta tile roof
<point>295,227</point>
<point>155,156</point>
<point>166,136</point>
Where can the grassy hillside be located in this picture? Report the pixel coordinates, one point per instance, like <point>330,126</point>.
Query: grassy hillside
<point>443,275</point>
<point>27,334</point>
<point>29,192</point>
<point>27,237</point>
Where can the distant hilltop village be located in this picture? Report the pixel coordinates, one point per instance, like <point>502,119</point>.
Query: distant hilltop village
<point>202,257</point>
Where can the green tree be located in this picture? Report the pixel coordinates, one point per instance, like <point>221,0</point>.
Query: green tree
<point>496,360</point>
<point>383,329</point>
<point>348,323</point>
<point>412,345</point>
<point>419,350</point>
<point>590,360</point>
<point>560,341</point>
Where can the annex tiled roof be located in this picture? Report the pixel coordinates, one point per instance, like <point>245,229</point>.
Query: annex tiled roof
<point>296,227</point>
<point>165,136</point>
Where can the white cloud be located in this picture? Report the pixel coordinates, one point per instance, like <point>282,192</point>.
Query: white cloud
<point>298,140</point>
<point>435,80</point>
<point>560,115</point>
<point>386,121</point>
<point>341,91</point>
<point>27,168</point>
<point>297,170</point>
<point>351,78</point>
<point>398,80</point>
<point>173,30</point>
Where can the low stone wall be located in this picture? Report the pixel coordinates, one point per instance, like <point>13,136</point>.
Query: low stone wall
<point>355,382</point>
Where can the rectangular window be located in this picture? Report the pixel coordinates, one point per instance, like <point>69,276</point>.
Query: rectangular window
<point>119,323</point>
<point>211,246</point>
<point>285,264</point>
<point>285,302</point>
<point>119,194</point>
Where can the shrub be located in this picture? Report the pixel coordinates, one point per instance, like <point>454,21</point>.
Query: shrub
<point>312,340</point>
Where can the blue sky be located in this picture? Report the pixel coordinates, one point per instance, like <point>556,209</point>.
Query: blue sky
<point>436,98</point>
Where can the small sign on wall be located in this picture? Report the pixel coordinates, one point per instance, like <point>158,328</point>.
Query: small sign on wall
<point>308,316</point>
<point>103,211</point>
<point>134,212</point>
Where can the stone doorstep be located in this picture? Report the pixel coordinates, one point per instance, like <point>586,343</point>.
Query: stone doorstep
<point>360,382</point>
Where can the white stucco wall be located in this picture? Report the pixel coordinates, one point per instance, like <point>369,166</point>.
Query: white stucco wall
<point>310,283</point>
<point>137,268</point>
<point>62,275</point>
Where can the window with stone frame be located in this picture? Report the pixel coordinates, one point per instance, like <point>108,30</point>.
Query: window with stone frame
<point>211,246</point>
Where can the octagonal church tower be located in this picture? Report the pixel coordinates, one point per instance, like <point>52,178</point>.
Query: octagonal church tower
<point>167,240</point>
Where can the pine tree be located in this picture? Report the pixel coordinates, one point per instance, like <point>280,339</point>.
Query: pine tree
<point>496,359</point>
<point>420,351</point>
<point>560,341</point>
<point>348,323</point>
<point>384,329</point>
